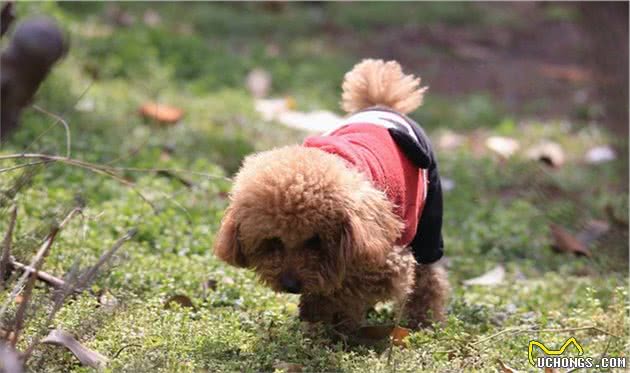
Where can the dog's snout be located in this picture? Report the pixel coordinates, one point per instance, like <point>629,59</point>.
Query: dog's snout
<point>290,284</point>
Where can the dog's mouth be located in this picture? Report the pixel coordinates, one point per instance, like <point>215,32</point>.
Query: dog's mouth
<point>290,284</point>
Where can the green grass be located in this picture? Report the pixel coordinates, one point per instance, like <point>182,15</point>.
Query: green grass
<point>498,213</point>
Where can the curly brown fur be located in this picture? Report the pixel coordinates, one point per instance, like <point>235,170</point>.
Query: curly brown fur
<point>308,223</point>
<point>302,213</point>
<point>429,296</point>
<point>379,83</point>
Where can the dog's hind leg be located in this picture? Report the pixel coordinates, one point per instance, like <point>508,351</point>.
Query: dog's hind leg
<point>427,302</point>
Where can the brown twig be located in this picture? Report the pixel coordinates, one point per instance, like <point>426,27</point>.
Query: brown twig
<point>89,276</point>
<point>71,105</point>
<point>171,175</point>
<point>99,169</point>
<point>84,164</point>
<point>41,275</point>
<point>17,167</point>
<point>6,246</point>
<point>78,284</point>
<point>108,170</point>
<point>23,180</point>
<point>26,294</point>
<point>124,348</point>
<point>399,315</point>
<point>66,290</point>
<point>38,258</point>
<point>58,119</point>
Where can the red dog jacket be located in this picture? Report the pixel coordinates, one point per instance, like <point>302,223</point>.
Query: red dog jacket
<point>395,154</point>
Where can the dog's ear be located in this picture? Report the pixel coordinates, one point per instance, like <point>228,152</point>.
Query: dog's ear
<point>371,228</point>
<point>227,246</point>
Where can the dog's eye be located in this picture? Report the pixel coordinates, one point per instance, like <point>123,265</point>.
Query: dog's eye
<point>272,244</point>
<point>313,243</point>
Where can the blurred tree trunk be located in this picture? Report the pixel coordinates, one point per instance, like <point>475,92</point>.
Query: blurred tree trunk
<point>606,26</point>
<point>36,45</point>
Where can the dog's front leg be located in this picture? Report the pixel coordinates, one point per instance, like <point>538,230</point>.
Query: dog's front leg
<point>343,314</point>
<point>316,308</point>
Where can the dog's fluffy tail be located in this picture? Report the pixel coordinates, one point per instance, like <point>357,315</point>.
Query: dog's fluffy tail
<point>379,83</point>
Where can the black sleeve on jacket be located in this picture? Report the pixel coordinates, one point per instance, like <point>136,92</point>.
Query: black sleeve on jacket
<point>418,152</point>
<point>427,245</point>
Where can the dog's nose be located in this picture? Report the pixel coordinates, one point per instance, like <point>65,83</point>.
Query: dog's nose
<point>290,284</point>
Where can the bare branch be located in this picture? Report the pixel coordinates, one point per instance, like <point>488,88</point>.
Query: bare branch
<point>75,284</point>
<point>38,258</point>
<point>17,167</point>
<point>88,165</point>
<point>58,119</point>
<point>6,246</point>
<point>99,169</point>
<point>89,276</point>
<point>43,133</point>
<point>28,289</point>
<point>113,172</point>
<point>68,288</point>
<point>43,276</point>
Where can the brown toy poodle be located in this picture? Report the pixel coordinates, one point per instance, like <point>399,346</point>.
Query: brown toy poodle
<point>349,218</point>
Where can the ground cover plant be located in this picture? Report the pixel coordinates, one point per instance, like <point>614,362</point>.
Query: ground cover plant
<point>163,302</point>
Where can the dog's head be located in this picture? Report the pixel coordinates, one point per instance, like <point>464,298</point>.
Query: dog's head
<point>301,218</point>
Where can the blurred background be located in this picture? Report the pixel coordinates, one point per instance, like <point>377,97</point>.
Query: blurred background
<point>527,108</point>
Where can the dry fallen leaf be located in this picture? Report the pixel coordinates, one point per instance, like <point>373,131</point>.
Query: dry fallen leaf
<point>548,152</point>
<point>161,113</point>
<point>9,359</point>
<point>566,242</point>
<point>493,277</point>
<point>151,18</point>
<point>593,231</point>
<point>207,286</point>
<point>118,16</point>
<point>551,370</point>
<point>600,154</point>
<point>447,184</point>
<point>108,301</point>
<point>398,335</point>
<point>504,146</point>
<point>272,107</point>
<point>288,367</point>
<point>313,121</point>
<point>283,111</point>
<point>450,140</point>
<point>180,299</point>
<point>569,73</point>
<point>258,82</point>
<point>86,356</point>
